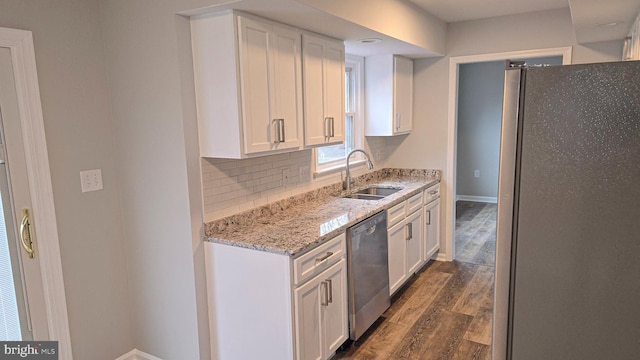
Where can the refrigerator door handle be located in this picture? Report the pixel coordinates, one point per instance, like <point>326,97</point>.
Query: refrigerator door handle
<point>506,192</point>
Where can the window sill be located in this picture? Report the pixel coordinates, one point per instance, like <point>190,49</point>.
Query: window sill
<point>337,168</point>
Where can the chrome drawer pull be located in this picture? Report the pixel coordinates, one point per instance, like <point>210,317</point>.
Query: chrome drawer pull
<point>324,300</point>
<point>330,287</point>
<point>321,259</point>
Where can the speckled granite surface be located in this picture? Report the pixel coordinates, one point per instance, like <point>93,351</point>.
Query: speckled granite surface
<point>299,223</point>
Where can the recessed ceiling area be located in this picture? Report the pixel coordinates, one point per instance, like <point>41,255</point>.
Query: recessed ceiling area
<point>593,20</point>
<point>462,10</point>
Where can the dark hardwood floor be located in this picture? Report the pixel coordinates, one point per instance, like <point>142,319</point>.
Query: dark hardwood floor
<point>445,311</point>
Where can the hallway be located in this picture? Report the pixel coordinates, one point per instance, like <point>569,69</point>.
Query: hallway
<point>445,311</point>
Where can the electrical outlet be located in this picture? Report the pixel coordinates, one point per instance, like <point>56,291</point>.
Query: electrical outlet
<point>285,177</point>
<point>304,172</point>
<point>476,173</point>
<point>91,180</point>
<point>377,155</point>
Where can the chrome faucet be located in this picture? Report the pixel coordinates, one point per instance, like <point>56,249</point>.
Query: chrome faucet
<point>346,184</point>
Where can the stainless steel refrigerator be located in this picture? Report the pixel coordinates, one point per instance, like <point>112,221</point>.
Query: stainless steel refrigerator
<point>568,239</point>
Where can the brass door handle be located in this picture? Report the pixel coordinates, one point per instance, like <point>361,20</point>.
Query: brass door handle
<point>25,233</point>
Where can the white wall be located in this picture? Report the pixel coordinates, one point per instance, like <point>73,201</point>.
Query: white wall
<point>151,85</point>
<point>77,119</point>
<point>427,145</point>
<point>480,92</point>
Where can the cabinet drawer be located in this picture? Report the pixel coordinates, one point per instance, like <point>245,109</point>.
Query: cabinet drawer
<point>396,214</point>
<point>414,203</point>
<point>319,259</point>
<point>431,193</point>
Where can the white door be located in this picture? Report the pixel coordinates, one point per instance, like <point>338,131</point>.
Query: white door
<point>432,230</point>
<point>402,94</point>
<point>334,89</point>
<point>309,329</point>
<point>254,58</point>
<point>335,316</point>
<point>313,76</point>
<point>287,85</point>
<point>21,293</point>
<point>414,242</point>
<point>397,238</point>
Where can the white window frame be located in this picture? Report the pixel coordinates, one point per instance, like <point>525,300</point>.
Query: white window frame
<point>356,64</point>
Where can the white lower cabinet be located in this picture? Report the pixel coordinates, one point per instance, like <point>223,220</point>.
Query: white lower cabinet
<point>405,240</point>
<point>414,242</point>
<point>396,236</point>
<point>264,305</point>
<point>321,311</point>
<point>432,229</point>
<point>431,222</point>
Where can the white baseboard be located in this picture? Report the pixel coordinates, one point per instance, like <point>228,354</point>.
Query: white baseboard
<point>484,199</point>
<point>442,257</point>
<point>136,354</point>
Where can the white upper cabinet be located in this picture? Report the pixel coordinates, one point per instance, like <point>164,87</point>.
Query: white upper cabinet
<point>248,76</point>
<point>389,95</point>
<point>323,73</point>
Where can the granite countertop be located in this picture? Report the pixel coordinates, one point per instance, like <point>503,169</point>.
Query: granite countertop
<point>297,224</point>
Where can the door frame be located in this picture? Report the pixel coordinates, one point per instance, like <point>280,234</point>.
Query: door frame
<point>452,127</point>
<point>20,43</point>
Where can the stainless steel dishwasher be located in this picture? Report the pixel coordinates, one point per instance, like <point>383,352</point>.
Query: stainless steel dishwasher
<point>368,273</point>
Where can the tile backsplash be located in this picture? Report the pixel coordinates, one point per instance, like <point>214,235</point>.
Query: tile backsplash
<point>230,186</point>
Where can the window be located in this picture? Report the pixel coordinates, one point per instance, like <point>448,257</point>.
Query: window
<point>333,157</point>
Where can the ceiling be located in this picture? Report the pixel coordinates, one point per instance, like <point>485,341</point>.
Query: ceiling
<point>461,10</point>
<point>593,20</point>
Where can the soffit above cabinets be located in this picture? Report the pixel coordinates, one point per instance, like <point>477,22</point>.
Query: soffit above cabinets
<point>321,16</point>
<point>402,24</point>
<point>593,20</point>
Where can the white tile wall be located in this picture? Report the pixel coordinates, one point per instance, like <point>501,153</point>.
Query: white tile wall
<point>231,186</point>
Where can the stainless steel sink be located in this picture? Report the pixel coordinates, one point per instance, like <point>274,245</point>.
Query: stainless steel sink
<point>372,193</point>
<point>380,191</point>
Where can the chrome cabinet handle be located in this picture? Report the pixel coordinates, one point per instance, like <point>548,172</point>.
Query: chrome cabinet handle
<point>325,257</point>
<point>410,231</point>
<point>282,129</point>
<point>275,123</point>
<point>327,129</point>
<point>330,292</point>
<point>25,233</point>
<point>397,121</point>
<point>279,130</point>
<point>429,217</point>
<point>324,300</point>
<point>333,128</point>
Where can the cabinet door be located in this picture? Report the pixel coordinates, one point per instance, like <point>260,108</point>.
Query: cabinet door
<point>336,318</point>
<point>315,126</point>
<point>309,313</point>
<point>432,232</point>
<point>334,90</point>
<point>414,241</point>
<point>286,85</point>
<point>402,94</point>
<point>397,243</point>
<point>254,57</point>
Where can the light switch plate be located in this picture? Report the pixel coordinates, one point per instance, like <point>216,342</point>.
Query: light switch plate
<point>91,180</point>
